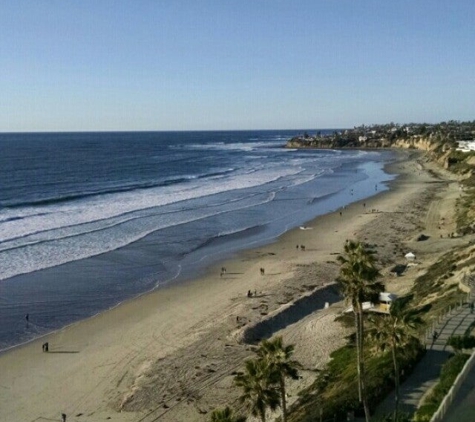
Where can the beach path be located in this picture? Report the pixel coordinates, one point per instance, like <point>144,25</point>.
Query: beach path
<point>427,371</point>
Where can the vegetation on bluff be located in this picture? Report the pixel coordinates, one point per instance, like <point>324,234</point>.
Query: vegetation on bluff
<point>335,391</point>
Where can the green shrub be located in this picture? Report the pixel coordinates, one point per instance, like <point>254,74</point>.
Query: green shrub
<point>335,391</point>
<point>425,412</point>
<point>461,342</point>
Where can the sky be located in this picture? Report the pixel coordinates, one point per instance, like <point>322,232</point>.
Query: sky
<point>113,65</point>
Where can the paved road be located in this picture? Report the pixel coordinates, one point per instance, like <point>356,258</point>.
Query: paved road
<point>427,371</point>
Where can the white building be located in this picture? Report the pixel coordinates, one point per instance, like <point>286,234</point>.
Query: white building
<point>466,146</point>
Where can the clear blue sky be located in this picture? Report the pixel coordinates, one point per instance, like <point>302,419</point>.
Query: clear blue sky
<point>81,65</point>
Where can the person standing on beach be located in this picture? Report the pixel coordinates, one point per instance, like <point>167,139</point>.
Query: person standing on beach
<point>63,417</point>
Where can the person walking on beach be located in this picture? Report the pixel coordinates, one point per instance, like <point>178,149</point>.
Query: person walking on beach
<point>63,417</point>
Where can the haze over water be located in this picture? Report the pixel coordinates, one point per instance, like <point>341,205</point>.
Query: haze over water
<point>88,220</point>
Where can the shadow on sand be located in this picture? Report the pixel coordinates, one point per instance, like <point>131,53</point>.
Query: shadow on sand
<point>290,314</point>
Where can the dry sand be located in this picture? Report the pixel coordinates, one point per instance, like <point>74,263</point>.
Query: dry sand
<point>170,355</point>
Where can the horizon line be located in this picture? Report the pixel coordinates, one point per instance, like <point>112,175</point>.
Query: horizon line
<point>165,131</point>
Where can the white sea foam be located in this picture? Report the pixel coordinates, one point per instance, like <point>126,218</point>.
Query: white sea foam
<point>40,237</point>
<point>88,228</point>
<point>238,146</point>
<point>113,205</point>
<point>36,220</point>
<point>62,249</point>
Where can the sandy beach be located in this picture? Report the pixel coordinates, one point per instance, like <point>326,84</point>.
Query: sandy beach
<point>170,354</point>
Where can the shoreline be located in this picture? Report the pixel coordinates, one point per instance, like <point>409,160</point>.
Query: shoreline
<point>135,345</point>
<point>188,269</point>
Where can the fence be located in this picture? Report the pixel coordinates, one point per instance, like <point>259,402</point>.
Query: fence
<point>438,416</point>
<point>445,314</point>
<point>448,399</point>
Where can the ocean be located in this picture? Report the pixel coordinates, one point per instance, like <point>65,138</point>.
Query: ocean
<point>88,220</point>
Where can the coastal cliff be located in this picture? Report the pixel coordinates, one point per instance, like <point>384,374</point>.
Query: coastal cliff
<point>440,141</point>
<point>451,145</point>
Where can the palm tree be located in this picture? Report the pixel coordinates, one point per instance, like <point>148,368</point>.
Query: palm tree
<point>226,415</point>
<point>358,283</point>
<point>394,332</point>
<point>278,357</point>
<point>258,383</point>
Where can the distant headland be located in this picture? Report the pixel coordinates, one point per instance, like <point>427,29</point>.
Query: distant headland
<point>412,135</point>
<point>444,141</point>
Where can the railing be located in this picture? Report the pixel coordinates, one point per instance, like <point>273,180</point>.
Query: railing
<point>448,399</point>
<point>446,313</point>
<point>438,416</point>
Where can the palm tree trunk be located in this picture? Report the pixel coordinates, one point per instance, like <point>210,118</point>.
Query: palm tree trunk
<point>284,403</point>
<point>263,415</point>
<point>396,384</point>
<point>362,368</point>
<point>358,368</point>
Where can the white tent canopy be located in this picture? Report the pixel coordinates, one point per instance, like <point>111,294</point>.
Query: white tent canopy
<point>410,256</point>
<point>387,297</point>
